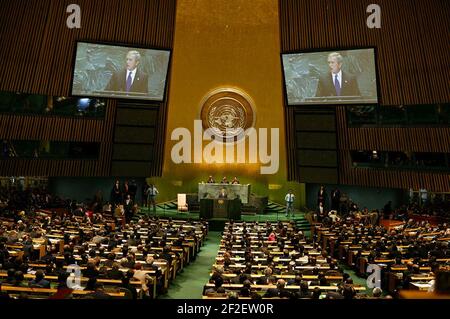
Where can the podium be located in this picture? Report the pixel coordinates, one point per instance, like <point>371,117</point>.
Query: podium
<point>220,208</point>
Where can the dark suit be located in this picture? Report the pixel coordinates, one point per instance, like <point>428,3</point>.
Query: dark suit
<point>275,292</point>
<point>223,195</point>
<point>128,207</point>
<point>114,274</point>
<point>39,284</point>
<point>322,198</point>
<point>349,86</point>
<point>265,280</point>
<point>335,198</point>
<point>118,82</point>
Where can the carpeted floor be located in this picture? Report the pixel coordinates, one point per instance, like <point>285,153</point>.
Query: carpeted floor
<point>359,281</point>
<point>189,284</point>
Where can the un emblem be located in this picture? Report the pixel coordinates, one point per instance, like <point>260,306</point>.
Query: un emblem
<point>227,112</point>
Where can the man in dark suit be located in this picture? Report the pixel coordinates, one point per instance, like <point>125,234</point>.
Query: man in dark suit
<point>223,193</point>
<point>335,199</point>
<point>267,278</point>
<point>39,281</point>
<point>337,82</point>
<point>99,293</point>
<point>128,206</point>
<point>115,272</point>
<point>280,291</point>
<point>131,79</point>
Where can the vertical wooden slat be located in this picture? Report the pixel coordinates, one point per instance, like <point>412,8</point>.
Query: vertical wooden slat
<point>413,65</point>
<point>34,35</point>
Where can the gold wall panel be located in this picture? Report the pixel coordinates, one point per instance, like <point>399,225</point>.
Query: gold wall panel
<point>226,44</point>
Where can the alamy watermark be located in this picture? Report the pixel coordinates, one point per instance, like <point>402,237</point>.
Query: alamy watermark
<point>374,279</point>
<point>374,19</point>
<point>251,143</point>
<point>74,279</point>
<point>74,19</point>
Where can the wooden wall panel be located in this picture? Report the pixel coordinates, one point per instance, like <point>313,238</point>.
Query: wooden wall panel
<point>54,128</point>
<point>148,139</point>
<point>37,57</point>
<point>39,53</point>
<point>51,128</point>
<point>160,137</point>
<point>391,139</point>
<point>411,55</point>
<point>291,144</point>
<point>411,59</point>
<point>408,139</point>
<point>439,182</point>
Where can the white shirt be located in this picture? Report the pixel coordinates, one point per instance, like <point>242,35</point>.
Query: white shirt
<point>339,76</point>
<point>423,193</point>
<point>133,74</point>
<point>303,260</point>
<point>333,216</point>
<point>152,191</point>
<point>289,198</point>
<point>143,277</point>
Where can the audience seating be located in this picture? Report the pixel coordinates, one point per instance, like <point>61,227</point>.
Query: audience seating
<point>62,237</point>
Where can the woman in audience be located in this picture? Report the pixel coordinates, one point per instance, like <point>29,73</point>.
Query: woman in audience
<point>144,278</point>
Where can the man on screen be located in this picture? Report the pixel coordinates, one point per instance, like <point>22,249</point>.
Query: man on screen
<point>129,80</point>
<point>337,82</point>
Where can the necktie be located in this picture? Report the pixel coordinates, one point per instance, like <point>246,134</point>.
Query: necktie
<point>337,85</point>
<point>129,82</point>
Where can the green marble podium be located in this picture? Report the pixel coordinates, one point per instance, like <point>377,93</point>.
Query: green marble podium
<point>220,208</point>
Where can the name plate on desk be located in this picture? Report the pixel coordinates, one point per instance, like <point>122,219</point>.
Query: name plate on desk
<point>212,190</point>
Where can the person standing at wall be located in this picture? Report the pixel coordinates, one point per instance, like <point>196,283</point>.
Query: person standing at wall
<point>289,198</point>
<point>335,199</point>
<point>151,196</point>
<point>423,196</point>
<point>322,197</point>
<point>132,189</point>
<point>128,207</point>
<point>116,193</point>
<point>144,194</point>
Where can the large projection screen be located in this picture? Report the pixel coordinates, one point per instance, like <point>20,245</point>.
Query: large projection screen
<point>331,77</point>
<point>117,71</point>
